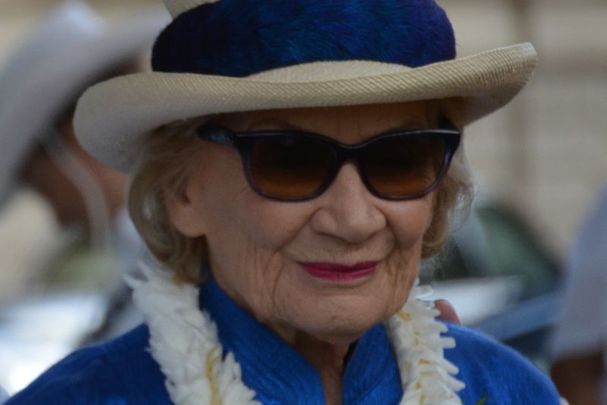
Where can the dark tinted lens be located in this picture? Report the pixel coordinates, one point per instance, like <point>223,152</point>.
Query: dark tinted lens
<point>403,166</point>
<point>288,167</point>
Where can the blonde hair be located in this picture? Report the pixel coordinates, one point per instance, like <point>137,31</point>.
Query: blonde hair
<point>165,165</point>
<point>167,162</point>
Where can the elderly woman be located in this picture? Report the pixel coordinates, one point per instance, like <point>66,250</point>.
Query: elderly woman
<point>294,162</point>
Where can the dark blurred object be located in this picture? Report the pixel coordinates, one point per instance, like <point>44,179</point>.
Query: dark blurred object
<point>500,278</point>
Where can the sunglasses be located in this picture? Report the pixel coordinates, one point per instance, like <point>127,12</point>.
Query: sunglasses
<point>289,165</point>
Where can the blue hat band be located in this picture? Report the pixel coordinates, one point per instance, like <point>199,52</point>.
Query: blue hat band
<point>242,37</point>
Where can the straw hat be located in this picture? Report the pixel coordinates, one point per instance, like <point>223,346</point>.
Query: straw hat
<point>70,48</point>
<point>240,55</point>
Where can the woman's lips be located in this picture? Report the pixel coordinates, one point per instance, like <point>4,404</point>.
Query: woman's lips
<point>339,272</point>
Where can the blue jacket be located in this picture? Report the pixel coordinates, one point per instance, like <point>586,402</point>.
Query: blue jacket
<point>122,370</point>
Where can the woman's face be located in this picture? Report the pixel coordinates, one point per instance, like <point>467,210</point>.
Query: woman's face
<point>279,260</point>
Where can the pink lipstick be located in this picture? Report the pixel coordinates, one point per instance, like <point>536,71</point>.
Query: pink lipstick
<point>339,272</point>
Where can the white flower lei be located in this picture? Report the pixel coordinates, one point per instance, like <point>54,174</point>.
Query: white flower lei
<point>181,335</point>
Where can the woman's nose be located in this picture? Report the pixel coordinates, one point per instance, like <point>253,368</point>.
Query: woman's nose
<point>348,211</point>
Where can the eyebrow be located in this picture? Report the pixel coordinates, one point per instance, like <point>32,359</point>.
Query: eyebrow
<point>273,123</point>
<point>410,124</point>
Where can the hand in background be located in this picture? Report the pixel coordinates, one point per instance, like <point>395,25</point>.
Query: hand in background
<point>447,312</point>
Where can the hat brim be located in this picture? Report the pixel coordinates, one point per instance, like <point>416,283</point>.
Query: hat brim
<point>112,118</point>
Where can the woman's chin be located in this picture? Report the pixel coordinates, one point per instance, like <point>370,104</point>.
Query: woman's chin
<point>343,323</point>
<point>333,312</point>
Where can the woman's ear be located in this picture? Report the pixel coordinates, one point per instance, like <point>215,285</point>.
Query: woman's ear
<point>184,211</point>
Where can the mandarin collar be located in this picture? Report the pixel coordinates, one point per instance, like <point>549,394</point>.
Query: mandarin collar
<point>280,375</point>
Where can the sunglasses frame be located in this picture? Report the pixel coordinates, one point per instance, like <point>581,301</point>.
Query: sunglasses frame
<point>243,142</point>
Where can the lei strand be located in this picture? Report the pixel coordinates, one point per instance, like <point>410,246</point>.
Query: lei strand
<point>181,335</point>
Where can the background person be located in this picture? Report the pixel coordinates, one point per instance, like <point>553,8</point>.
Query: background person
<point>580,338</point>
<point>69,50</point>
<point>291,169</point>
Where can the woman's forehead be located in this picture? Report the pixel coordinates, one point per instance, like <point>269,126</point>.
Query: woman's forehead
<point>374,118</point>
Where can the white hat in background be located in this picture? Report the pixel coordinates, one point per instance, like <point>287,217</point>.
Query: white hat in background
<point>69,50</point>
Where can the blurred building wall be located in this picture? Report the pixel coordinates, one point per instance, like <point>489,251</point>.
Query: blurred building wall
<point>545,154</point>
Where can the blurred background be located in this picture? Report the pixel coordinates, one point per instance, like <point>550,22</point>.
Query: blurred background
<point>539,165</point>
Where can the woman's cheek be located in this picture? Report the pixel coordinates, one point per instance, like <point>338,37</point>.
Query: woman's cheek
<point>410,225</point>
